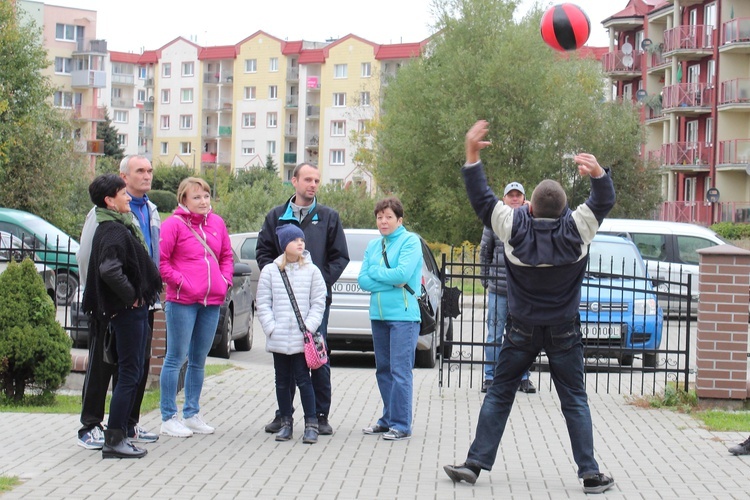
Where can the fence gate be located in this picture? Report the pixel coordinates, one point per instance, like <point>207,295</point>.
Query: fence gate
<point>639,334</point>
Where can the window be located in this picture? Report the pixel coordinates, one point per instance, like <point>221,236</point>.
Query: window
<point>249,93</point>
<point>63,65</point>
<point>710,73</point>
<point>165,95</point>
<point>273,64</point>
<point>122,139</point>
<point>142,72</point>
<point>709,132</point>
<point>248,120</point>
<point>166,70</point>
<point>116,93</point>
<point>272,120</point>
<point>248,148</point>
<point>366,70</point>
<point>164,122</point>
<point>338,128</point>
<point>66,32</point>
<point>186,148</point>
<point>164,148</point>
<point>141,95</point>
<point>186,122</point>
<point>273,92</point>
<point>364,98</point>
<point>120,117</point>
<point>188,69</point>
<point>251,65</point>
<point>63,99</point>
<point>271,147</point>
<point>339,70</point>
<point>186,95</point>
<point>339,99</point>
<point>337,157</point>
<point>363,127</point>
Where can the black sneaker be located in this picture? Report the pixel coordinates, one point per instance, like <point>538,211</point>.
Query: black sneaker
<point>597,483</point>
<point>324,428</point>
<point>486,385</point>
<point>459,473</point>
<point>527,387</point>
<point>741,449</point>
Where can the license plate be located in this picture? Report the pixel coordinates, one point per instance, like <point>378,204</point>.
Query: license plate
<point>603,331</point>
<point>339,287</point>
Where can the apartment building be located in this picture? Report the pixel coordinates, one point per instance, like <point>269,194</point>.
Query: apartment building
<point>687,63</point>
<point>126,81</point>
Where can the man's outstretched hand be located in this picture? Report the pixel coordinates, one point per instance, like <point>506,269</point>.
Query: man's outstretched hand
<point>587,165</point>
<point>475,140</point>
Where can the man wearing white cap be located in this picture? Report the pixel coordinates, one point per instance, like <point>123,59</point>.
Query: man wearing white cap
<point>492,257</point>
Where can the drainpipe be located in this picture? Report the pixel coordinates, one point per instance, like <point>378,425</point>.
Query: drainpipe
<point>715,207</point>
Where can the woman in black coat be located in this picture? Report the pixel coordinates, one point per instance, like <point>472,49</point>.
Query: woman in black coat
<point>122,283</point>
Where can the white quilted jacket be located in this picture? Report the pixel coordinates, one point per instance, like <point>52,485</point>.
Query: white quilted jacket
<point>274,310</point>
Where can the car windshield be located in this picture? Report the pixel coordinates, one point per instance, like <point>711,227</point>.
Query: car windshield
<point>357,244</point>
<point>55,238</point>
<point>615,258</point>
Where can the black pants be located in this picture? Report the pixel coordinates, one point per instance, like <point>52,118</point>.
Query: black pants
<point>98,375</point>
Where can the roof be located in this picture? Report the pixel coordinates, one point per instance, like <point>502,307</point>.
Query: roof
<point>399,51</point>
<point>312,56</point>
<point>149,57</point>
<point>292,47</point>
<point>635,8</point>
<point>218,52</point>
<point>124,57</point>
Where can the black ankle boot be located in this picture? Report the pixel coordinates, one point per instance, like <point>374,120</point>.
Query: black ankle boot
<point>311,431</point>
<point>117,445</point>
<point>285,433</point>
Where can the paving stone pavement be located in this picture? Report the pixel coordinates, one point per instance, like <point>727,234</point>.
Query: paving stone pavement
<point>652,454</point>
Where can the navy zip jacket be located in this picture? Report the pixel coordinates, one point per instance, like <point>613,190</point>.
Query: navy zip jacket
<point>545,259</point>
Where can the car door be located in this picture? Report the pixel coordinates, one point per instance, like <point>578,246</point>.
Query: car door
<point>241,295</point>
<point>247,255</point>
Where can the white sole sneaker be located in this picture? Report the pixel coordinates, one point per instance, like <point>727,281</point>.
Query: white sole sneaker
<point>175,428</point>
<point>198,426</point>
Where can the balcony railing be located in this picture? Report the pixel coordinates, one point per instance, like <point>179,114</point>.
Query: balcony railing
<point>91,46</point>
<point>145,131</point>
<point>693,212</point>
<point>290,130</point>
<point>89,113</point>
<point>225,131</point>
<point>223,104</point>
<point>290,158</point>
<point>119,102</point>
<point>737,30</point>
<point>689,38</point>
<point>292,101</point>
<point>121,79</point>
<point>735,91</point>
<point>292,74</point>
<point>89,78</point>
<point>734,152</point>
<point>686,153</point>
<point>148,82</point>
<point>216,78</point>
<point>620,62</point>
<point>312,111</point>
<point>148,106</point>
<point>691,95</point>
<point>95,147</point>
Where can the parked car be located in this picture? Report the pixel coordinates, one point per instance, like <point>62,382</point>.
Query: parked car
<point>670,252</point>
<point>11,248</point>
<point>235,317</point>
<point>349,326</point>
<point>244,246</point>
<point>53,248</point>
<point>619,309</point>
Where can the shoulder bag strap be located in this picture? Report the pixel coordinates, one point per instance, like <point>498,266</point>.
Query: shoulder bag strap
<point>203,242</point>
<point>289,291</point>
<point>385,259</point>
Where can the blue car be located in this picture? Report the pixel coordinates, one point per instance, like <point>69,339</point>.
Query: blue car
<point>620,312</point>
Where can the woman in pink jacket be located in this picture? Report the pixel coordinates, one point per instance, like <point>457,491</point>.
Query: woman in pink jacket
<point>196,263</point>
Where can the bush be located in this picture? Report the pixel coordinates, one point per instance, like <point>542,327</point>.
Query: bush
<point>169,178</point>
<point>165,201</point>
<point>34,348</point>
<point>732,230</point>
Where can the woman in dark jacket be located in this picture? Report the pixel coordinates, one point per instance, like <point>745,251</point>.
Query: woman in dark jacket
<point>122,283</point>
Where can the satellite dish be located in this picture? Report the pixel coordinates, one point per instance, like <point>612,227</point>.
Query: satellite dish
<point>646,43</point>
<point>627,48</point>
<point>641,95</point>
<point>627,60</point>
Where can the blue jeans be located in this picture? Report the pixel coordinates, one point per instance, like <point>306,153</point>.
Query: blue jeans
<point>564,347</point>
<point>394,343</point>
<point>131,332</point>
<point>190,333</point>
<point>497,311</point>
<point>291,368</point>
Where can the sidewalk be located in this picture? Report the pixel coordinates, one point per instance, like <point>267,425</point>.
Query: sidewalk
<point>650,453</point>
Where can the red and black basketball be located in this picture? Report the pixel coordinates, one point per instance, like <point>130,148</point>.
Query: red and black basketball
<point>565,27</point>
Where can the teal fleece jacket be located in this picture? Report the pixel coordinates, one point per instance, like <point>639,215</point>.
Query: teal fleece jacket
<point>389,302</point>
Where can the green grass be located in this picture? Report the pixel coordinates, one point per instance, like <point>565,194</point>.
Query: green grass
<point>72,404</point>
<point>8,482</point>
<point>725,421</point>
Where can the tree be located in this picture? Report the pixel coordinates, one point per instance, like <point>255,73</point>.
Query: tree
<point>483,64</point>
<point>108,133</point>
<point>270,164</point>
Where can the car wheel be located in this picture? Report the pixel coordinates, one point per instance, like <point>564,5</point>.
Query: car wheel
<point>426,358</point>
<point>650,360</point>
<point>625,359</point>
<point>225,344</point>
<point>66,285</point>
<point>245,343</point>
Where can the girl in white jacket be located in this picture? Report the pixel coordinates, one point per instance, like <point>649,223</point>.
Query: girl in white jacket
<point>283,336</point>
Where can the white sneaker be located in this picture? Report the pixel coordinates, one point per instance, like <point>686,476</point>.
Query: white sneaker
<point>175,428</point>
<point>198,426</point>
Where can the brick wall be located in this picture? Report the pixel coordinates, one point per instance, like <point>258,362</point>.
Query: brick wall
<point>722,337</point>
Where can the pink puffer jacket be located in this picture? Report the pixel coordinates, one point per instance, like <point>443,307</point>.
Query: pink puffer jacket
<point>192,275</point>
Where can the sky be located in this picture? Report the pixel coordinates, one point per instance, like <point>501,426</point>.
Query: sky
<point>129,26</point>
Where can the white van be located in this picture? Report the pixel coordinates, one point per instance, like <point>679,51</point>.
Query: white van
<point>669,249</point>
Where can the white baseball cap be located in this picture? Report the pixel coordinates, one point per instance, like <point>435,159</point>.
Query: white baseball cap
<point>514,185</point>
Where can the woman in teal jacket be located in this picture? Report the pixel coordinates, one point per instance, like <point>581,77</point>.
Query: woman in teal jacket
<point>389,265</point>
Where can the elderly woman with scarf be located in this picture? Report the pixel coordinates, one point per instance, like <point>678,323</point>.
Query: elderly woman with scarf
<point>121,284</point>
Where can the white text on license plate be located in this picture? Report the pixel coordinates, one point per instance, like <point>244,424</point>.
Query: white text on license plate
<point>602,331</point>
<point>339,287</point>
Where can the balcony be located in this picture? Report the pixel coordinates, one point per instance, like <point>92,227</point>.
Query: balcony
<point>621,66</point>
<point>145,131</point>
<point>88,78</point>
<point>313,84</point>
<point>686,156</point>
<point>693,212</point>
<point>148,83</point>
<point>225,131</point>
<point>292,101</point>
<point>148,106</point>
<point>119,102</point>
<point>312,143</point>
<point>89,113</point>
<point>290,158</point>
<point>120,79</point>
<point>217,78</point>
<point>95,147</point>
<point>290,130</point>
<point>688,99</point>
<point>292,74</point>
<point>689,41</point>
<point>223,104</point>
<point>312,112</point>
<point>736,36</point>
<point>734,152</point>
<point>735,95</point>
<point>658,63</point>
<point>90,46</point>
